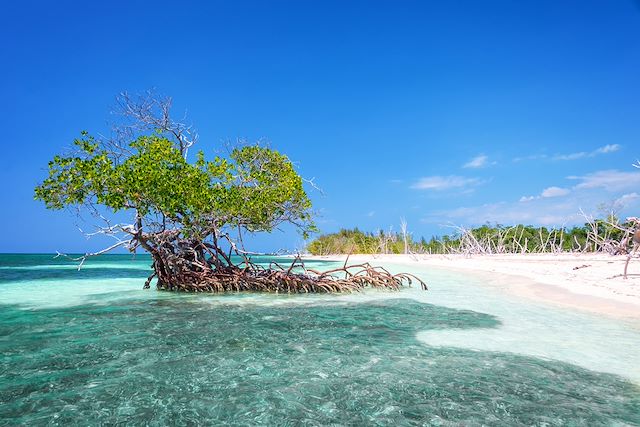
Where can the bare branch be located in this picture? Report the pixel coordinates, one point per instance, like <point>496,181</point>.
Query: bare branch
<point>84,257</point>
<point>149,112</point>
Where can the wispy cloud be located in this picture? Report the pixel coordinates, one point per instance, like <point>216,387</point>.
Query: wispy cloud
<point>605,149</point>
<point>478,162</point>
<point>371,213</point>
<point>531,157</point>
<point>627,199</point>
<point>509,213</point>
<point>439,183</point>
<point>609,148</point>
<point>609,180</point>
<point>555,205</point>
<point>539,211</point>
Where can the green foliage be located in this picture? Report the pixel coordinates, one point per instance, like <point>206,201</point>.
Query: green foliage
<point>495,238</point>
<point>256,188</point>
<point>266,190</point>
<point>357,242</point>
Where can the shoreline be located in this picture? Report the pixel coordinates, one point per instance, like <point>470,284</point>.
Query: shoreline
<point>587,282</point>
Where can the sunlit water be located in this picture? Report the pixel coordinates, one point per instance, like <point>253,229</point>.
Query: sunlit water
<point>91,347</point>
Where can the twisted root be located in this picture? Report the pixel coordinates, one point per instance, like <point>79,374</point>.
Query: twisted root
<point>180,275</point>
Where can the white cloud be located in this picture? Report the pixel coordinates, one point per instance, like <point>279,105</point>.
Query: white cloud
<point>477,162</point>
<point>371,213</point>
<point>527,198</point>
<point>609,148</point>
<point>439,183</point>
<point>610,180</point>
<point>547,193</point>
<point>554,192</point>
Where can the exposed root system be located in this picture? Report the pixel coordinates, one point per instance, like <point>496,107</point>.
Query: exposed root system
<point>177,274</point>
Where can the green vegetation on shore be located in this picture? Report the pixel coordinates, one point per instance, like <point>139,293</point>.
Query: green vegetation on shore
<point>599,235</point>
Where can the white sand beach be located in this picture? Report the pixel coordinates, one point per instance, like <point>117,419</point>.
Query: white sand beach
<point>590,282</point>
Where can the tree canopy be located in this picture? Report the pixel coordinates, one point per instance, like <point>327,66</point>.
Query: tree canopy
<point>255,188</point>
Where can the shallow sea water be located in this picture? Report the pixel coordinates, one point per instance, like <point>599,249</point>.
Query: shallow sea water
<point>92,347</point>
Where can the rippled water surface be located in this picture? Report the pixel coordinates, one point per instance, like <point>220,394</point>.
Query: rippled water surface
<point>91,347</point>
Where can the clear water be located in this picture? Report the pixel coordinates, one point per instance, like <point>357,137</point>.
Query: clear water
<point>92,347</point>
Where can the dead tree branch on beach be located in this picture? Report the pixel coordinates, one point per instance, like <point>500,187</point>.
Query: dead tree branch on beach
<point>609,235</point>
<point>635,241</point>
<point>405,234</point>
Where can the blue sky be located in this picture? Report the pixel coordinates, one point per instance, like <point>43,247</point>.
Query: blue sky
<point>448,112</point>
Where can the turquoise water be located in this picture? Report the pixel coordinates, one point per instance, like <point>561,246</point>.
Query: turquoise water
<point>92,347</point>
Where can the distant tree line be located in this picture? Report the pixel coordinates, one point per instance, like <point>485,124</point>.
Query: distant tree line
<point>608,235</point>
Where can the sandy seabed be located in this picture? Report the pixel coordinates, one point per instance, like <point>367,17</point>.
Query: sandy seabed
<point>590,282</point>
